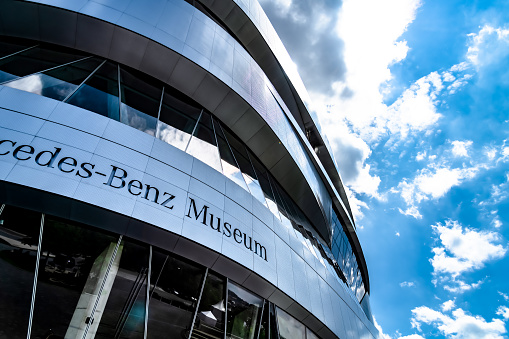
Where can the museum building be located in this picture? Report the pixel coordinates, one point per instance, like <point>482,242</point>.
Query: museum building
<point>163,176</point>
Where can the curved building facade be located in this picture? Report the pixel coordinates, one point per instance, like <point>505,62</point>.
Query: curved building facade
<point>162,176</point>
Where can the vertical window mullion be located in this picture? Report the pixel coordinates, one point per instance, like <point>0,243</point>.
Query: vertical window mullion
<point>194,130</point>
<point>119,94</point>
<point>147,299</point>
<point>198,302</point>
<point>36,273</point>
<point>217,145</point>
<point>226,309</point>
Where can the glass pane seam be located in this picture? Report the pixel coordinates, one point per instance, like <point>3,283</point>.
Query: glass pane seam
<point>198,302</point>
<point>233,155</point>
<point>36,273</point>
<point>194,130</point>
<point>83,82</point>
<point>46,70</point>
<point>23,50</point>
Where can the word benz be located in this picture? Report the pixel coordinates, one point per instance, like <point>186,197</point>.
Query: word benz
<point>115,179</point>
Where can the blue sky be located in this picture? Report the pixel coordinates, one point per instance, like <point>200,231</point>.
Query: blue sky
<point>414,98</point>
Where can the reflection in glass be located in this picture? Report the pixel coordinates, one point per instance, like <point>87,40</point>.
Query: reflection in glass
<point>240,153</point>
<point>243,312</point>
<point>174,291</point>
<point>289,327</point>
<point>34,60</point>
<point>262,175</point>
<point>203,143</point>
<point>71,269</point>
<point>229,164</point>
<point>209,321</point>
<point>140,101</point>
<point>263,332</point>
<point>124,295</point>
<point>57,83</point>
<point>273,332</point>
<point>99,93</point>
<point>176,120</point>
<point>9,45</point>
<point>19,233</point>
<point>310,335</point>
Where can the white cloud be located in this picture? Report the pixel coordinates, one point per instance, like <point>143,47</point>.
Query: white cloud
<point>503,311</point>
<point>459,286</point>
<point>420,156</point>
<point>397,234</point>
<point>381,333</point>
<point>496,222</point>
<point>448,305</point>
<point>462,249</point>
<point>460,148</point>
<point>460,325</point>
<point>505,296</point>
<point>432,182</point>
<point>412,336</point>
<point>488,46</point>
<point>407,284</point>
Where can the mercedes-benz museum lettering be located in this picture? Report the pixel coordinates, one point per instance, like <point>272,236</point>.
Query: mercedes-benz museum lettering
<point>162,176</point>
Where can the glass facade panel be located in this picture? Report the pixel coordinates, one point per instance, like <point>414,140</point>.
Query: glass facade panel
<point>99,94</point>
<point>310,335</point>
<point>273,331</point>
<point>124,295</point>
<point>263,332</point>
<point>57,83</point>
<point>243,313</point>
<point>289,327</point>
<point>73,264</point>
<point>9,45</point>
<point>34,60</point>
<point>19,238</point>
<point>248,172</point>
<point>177,120</point>
<point>203,144</point>
<point>209,321</point>
<point>140,102</point>
<point>174,291</point>
<point>228,161</point>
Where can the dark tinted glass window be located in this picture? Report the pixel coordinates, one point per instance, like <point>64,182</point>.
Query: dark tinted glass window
<point>203,143</point>
<point>177,120</point>
<point>19,233</point>
<point>124,295</point>
<point>244,310</point>
<point>229,164</point>
<point>100,92</point>
<point>73,265</point>
<point>174,291</point>
<point>13,45</point>
<point>141,98</point>
<point>210,318</point>
<point>35,60</point>
<point>59,82</point>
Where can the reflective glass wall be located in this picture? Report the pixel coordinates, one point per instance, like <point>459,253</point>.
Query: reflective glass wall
<point>144,103</point>
<point>63,279</point>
